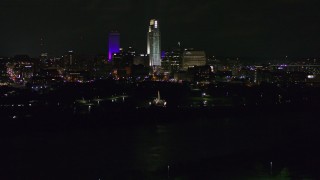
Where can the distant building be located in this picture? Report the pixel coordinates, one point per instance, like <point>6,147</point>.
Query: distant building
<point>123,61</point>
<point>124,58</point>
<point>70,60</point>
<point>171,61</point>
<point>101,67</point>
<point>44,60</point>
<point>141,59</point>
<point>114,44</point>
<point>195,74</point>
<point>201,73</point>
<point>154,44</point>
<point>193,58</point>
<point>128,63</point>
<point>77,76</point>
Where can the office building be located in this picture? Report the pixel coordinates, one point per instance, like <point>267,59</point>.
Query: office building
<point>114,44</point>
<point>153,45</point>
<point>193,58</point>
<point>171,60</point>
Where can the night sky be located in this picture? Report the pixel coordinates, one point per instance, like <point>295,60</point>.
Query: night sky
<point>244,28</point>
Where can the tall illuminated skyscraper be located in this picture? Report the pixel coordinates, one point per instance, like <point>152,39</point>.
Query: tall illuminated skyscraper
<point>153,44</point>
<point>114,44</point>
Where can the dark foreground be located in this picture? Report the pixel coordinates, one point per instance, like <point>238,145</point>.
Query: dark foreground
<point>221,143</point>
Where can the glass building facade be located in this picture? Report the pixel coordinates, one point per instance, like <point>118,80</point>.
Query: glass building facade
<point>153,44</point>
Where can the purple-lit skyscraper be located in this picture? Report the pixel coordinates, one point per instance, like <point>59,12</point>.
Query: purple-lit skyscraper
<point>114,44</point>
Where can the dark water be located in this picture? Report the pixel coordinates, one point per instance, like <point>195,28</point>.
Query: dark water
<point>164,145</point>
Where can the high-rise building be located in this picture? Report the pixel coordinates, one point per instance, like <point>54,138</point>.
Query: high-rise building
<point>153,44</point>
<point>172,59</point>
<point>70,58</point>
<point>114,44</point>
<point>44,60</point>
<point>193,58</point>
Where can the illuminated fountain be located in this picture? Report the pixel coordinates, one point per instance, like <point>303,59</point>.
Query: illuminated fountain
<point>158,101</point>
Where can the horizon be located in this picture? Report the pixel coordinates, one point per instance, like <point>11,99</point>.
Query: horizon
<point>221,28</point>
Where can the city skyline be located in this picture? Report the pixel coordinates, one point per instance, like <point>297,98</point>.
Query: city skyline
<point>159,89</point>
<point>222,28</point>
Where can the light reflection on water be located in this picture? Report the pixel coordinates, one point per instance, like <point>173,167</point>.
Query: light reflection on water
<point>189,146</point>
<point>151,147</point>
<point>216,148</point>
